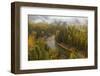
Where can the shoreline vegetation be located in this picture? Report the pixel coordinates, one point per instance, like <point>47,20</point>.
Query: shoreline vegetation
<point>48,41</point>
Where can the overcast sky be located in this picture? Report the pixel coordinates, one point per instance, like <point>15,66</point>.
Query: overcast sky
<point>51,19</point>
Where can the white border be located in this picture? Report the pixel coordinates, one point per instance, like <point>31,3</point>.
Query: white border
<point>25,64</point>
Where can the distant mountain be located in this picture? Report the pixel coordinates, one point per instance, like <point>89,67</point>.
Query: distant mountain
<point>58,19</point>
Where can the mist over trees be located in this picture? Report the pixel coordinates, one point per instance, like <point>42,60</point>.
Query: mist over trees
<point>58,20</point>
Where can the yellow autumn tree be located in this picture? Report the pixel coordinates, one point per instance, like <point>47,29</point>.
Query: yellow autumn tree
<point>31,40</point>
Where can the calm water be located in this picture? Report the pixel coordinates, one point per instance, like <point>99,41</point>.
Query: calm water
<point>51,43</point>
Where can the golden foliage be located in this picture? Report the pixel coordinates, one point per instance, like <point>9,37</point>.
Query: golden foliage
<point>31,41</point>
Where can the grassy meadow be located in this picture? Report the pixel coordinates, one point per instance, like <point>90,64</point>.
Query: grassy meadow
<point>53,37</point>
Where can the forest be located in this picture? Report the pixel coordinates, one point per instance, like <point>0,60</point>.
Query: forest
<point>57,40</point>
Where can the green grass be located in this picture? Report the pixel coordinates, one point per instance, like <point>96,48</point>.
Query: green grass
<point>72,36</point>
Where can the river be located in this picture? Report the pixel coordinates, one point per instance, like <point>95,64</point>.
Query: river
<point>51,43</point>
